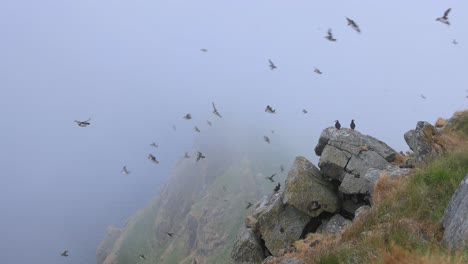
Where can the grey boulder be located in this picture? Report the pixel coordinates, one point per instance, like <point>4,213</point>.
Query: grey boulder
<point>247,249</point>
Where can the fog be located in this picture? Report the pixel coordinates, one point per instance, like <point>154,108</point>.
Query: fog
<point>135,68</point>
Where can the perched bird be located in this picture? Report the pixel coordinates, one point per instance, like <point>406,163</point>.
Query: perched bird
<point>142,257</point>
<point>317,71</point>
<point>186,155</point>
<point>125,171</point>
<point>444,19</point>
<point>353,25</point>
<point>215,111</point>
<point>153,159</point>
<point>455,42</point>
<point>271,178</point>
<point>272,65</point>
<point>329,35</point>
<point>352,125</point>
<point>154,145</point>
<point>267,139</point>
<point>269,109</point>
<point>188,116</point>
<point>249,204</point>
<point>277,188</point>
<point>423,97</point>
<point>281,168</point>
<point>304,111</point>
<point>337,124</point>
<point>204,50</point>
<point>200,156</point>
<point>196,129</point>
<point>83,123</point>
<point>209,123</point>
<point>64,253</point>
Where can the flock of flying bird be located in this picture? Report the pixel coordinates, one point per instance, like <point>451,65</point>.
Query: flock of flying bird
<point>269,109</point>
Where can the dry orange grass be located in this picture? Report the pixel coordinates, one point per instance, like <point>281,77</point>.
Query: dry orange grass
<point>386,188</point>
<point>399,159</point>
<point>402,256</point>
<point>440,122</point>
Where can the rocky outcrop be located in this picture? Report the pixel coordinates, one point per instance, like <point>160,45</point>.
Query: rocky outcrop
<point>335,225</point>
<point>423,141</point>
<point>307,190</point>
<point>454,219</point>
<point>247,249</point>
<point>106,245</point>
<point>281,224</point>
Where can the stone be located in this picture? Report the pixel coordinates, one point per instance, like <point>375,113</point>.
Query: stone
<point>361,210</point>
<point>372,175</point>
<point>336,224</point>
<point>308,191</point>
<point>422,141</point>
<point>353,185</point>
<point>454,220</point>
<point>247,249</point>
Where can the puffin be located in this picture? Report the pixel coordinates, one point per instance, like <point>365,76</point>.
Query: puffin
<point>317,71</point>
<point>271,177</point>
<point>215,111</point>
<point>64,253</point>
<point>200,156</point>
<point>83,123</point>
<point>196,129</point>
<point>352,125</point>
<point>188,116</point>
<point>272,65</point>
<point>444,18</point>
<point>267,139</point>
<point>153,159</point>
<point>277,188</point>
<point>353,25</point>
<point>154,145</point>
<point>270,109</point>
<point>329,36</point>
<point>337,124</point>
<point>125,171</point>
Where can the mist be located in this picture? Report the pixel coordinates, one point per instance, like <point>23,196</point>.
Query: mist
<point>135,68</point>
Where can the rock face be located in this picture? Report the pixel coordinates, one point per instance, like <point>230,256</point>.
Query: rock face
<point>106,245</point>
<point>454,220</point>
<point>421,141</point>
<point>247,249</point>
<point>347,151</point>
<point>308,191</point>
<point>373,175</point>
<point>280,224</point>
<point>336,224</point>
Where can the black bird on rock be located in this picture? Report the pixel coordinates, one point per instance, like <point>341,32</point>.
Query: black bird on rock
<point>64,253</point>
<point>249,204</point>
<point>271,178</point>
<point>444,18</point>
<point>353,25</point>
<point>329,36</point>
<point>352,125</point>
<point>277,188</point>
<point>272,65</point>
<point>200,156</point>
<point>215,111</point>
<point>270,109</point>
<point>337,124</point>
<point>83,123</point>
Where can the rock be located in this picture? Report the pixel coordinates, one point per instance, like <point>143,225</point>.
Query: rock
<point>107,244</point>
<point>251,222</point>
<point>261,206</point>
<point>361,210</point>
<point>247,249</point>
<point>353,185</point>
<point>421,141</point>
<point>321,228</point>
<point>454,219</point>
<point>307,190</point>
<point>280,225</point>
<point>292,261</point>
<point>336,224</point>
<point>351,206</point>
<point>373,175</point>
<point>348,151</point>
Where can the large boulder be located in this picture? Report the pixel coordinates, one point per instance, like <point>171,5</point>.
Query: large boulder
<point>347,151</point>
<point>247,249</point>
<point>308,191</point>
<point>281,224</point>
<point>374,174</point>
<point>336,224</point>
<point>422,141</point>
<point>454,220</point>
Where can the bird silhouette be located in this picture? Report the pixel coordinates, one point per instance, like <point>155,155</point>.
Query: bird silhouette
<point>304,111</point>
<point>277,188</point>
<point>204,50</point>
<point>170,234</point>
<point>423,97</point>
<point>444,19</point>
<point>215,111</point>
<point>317,71</point>
<point>188,116</point>
<point>270,109</point>
<point>271,178</point>
<point>329,35</point>
<point>353,25</point>
<point>249,204</point>
<point>83,123</point>
<point>153,159</point>
<point>196,129</point>
<point>154,145</point>
<point>64,253</point>
<point>142,257</point>
<point>125,171</point>
<point>337,124</point>
<point>272,65</point>
<point>209,123</point>
<point>455,42</point>
<point>352,125</point>
<point>200,156</point>
<point>267,139</point>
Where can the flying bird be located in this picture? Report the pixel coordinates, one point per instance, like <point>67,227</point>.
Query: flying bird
<point>352,125</point>
<point>249,204</point>
<point>329,35</point>
<point>64,253</point>
<point>186,155</point>
<point>317,71</point>
<point>125,171</point>
<point>209,123</point>
<point>353,25</point>
<point>267,139</point>
<point>272,65</point>
<point>188,116</point>
<point>277,188</point>
<point>170,234</point>
<point>444,19</point>
<point>174,127</point>
<point>153,159</point>
<point>215,111</point>
<point>270,110</point>
<point>271,178</point>
<point>455,42</point>
<point>196,129</point>
<point>423,97</point>
<point>154,145</point>
<point>200,156</point>
<point>83,123</point>
<point>142,257</point>
<point>204,50</point>
<point>304,111</point>
<point>337,124</point>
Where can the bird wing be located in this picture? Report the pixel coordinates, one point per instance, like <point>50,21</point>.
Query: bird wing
<point>329,32</point>
<point>349,21</point>
<point>447,12</point>
<point>214,107</point>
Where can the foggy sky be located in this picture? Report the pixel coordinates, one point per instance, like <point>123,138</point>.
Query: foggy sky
<point>135,68</point>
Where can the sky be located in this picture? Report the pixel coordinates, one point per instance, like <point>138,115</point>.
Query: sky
<point>135,68</point>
